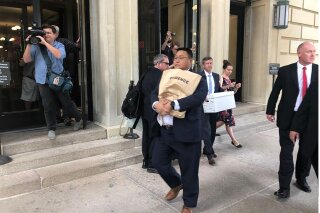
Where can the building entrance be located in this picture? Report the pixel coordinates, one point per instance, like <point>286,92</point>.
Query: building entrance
<point>182,17</point>
<point>20,109</point>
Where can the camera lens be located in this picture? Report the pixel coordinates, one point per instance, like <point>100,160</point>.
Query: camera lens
<point>34,40</point>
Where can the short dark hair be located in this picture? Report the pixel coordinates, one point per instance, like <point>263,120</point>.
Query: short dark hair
<point>46,26</point>
<point>187,50</point>
<point>207,58</point>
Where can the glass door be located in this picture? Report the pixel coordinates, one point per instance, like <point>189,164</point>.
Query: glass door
<point>19,105</point>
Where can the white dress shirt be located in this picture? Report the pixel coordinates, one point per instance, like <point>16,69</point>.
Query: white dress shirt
<point>209,75</point>
<point>300,77</point>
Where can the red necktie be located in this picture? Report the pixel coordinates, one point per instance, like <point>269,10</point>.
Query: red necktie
<point>304,82</point>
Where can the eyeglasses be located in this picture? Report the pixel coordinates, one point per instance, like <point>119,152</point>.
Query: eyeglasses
<point>165,63</point>
<point>179,58</point>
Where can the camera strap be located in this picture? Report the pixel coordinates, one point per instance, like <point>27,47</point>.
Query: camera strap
<point>46,58</point>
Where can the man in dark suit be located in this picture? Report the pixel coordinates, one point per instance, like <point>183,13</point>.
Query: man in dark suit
<point>209,120</point>
<point>149,83</point>
<point>293,81</point>
<point>305,125</point>
<point>180,137</point>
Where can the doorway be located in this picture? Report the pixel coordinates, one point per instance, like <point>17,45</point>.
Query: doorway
<point>16,18</point>
<point>157,17</point>
<point>236,36</point>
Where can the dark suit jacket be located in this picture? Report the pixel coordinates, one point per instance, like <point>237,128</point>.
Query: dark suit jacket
<point>306,120</point>
<point>216,79</point>
<point>187,129</point>
<point>149,83</point>
<point>287,82</point>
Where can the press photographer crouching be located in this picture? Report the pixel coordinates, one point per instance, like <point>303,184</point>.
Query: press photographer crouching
<point>48,55</point>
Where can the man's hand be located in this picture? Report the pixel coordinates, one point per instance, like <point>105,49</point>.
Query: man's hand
<point>270,118</point>
<point>294,136</point>
<point>42,41</point>
<point>163,107</point>
<point>27,39</point>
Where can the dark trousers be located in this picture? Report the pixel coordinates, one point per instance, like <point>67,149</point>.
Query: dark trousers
<point>147,142</point>
<point>314,160</point>
<point>209,130</point>
<point>286,168</point>
<point>49,105</point>
<point>188,155</point>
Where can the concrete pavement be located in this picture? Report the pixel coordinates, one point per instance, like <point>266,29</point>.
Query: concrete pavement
<point>242,181</point>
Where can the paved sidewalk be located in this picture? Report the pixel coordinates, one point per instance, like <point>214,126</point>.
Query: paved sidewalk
<point>242,181</point>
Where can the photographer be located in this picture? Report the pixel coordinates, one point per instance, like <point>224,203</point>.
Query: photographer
<point>167,46</point>
<point>56,53</point>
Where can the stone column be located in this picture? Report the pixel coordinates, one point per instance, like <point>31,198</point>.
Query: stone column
<point>214,38</point>
<point>114,55</point>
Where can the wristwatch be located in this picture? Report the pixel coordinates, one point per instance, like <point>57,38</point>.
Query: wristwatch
<point>172,104</point>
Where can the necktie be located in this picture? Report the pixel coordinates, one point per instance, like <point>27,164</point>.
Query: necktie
<point>304,82</point>
<point>210,84</point>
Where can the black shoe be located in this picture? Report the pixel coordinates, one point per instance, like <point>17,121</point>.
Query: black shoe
<point>144,165</point>
<point>67,121</point>
<point>282,193</point>
<point>238,146</point>
<point>303,185</point>
<point>212,162</point>
<point>214,155</point>
<point>152,170</point>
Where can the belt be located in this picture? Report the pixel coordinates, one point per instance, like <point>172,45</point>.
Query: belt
<point>167,127</point>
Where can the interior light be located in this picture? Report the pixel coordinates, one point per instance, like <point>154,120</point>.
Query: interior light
<point>12,39</point>
<point>13,28</point>
<point>2,39</point>
<point>17,27</point>
<point>29,28</point>
<point>195,7</point>
<point>1,47</point>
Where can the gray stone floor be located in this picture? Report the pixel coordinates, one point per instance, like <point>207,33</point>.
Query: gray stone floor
<point>242,181</point>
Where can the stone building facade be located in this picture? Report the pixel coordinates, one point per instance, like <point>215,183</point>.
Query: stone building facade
<point>115,56</point>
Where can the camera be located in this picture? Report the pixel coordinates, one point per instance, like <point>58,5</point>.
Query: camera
<point>173,34</point>
<point>34,33</point>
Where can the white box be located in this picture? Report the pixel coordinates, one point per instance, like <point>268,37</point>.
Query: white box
<point>218,102</point>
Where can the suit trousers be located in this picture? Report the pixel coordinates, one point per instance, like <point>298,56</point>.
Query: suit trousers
<point>49,105</point>
<point>147,143</point>
<point>209,130</point>
<point>188,155</point>
<point>286,168</point>
<point>315,159</point>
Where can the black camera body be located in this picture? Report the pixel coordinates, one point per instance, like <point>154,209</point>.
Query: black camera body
<point>34,33</point>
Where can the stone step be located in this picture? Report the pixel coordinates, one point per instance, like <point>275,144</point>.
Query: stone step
<point>36,179</point>
<point>13,143</point>
<point>41,158</point>
<point>247,108</point>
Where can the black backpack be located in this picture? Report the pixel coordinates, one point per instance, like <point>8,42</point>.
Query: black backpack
<point>132,104</point>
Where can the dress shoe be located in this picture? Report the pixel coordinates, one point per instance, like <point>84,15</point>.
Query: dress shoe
<point>186,210</point>
<point>237,146</point>
<point>282,193</point>
<point>152,170</point>
<point>173,193</point>
<point>211,161</point>
<point>303,185</point>
<point>144,164</point>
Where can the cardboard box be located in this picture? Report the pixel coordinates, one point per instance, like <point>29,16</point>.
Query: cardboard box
<point>218,102</point>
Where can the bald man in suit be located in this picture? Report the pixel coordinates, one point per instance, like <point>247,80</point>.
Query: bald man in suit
<point>292,81</point>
